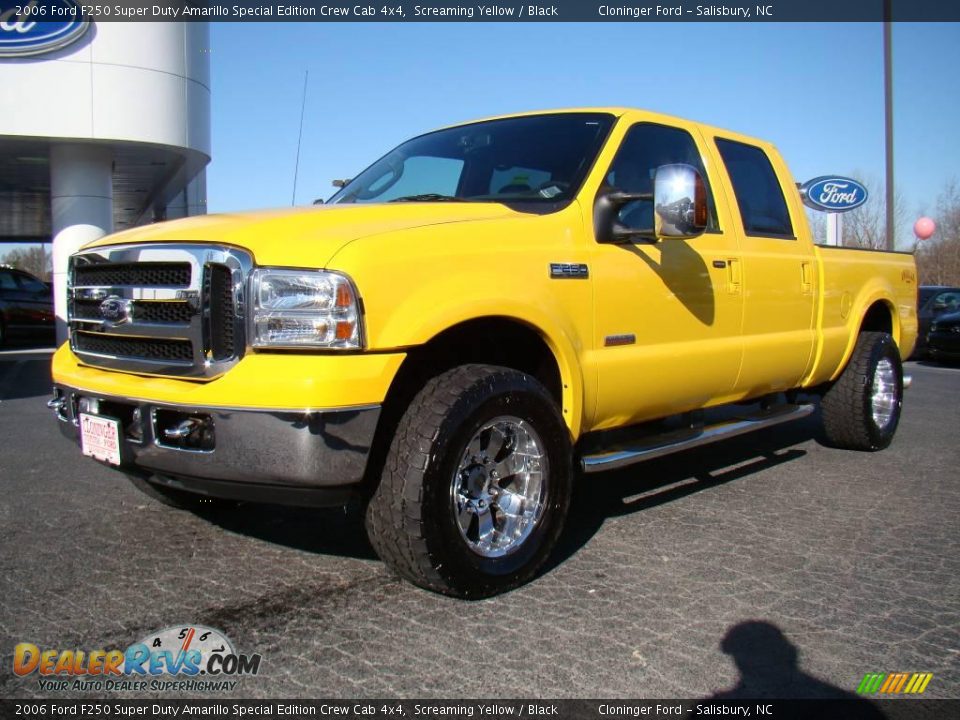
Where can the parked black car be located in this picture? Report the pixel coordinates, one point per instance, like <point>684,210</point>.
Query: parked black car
<point>933,301</point>
<point>943,342</point>
<point>26,305</point>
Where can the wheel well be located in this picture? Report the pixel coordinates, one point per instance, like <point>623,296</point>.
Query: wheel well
<point>493,341</point>
<point>877,319</point>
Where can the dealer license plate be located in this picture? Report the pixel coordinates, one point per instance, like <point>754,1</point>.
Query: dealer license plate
<point>100,438</point>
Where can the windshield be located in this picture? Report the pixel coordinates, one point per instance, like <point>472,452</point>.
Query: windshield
<point>537,161</point>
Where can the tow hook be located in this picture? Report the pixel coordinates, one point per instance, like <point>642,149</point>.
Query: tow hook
<point>181,430</point>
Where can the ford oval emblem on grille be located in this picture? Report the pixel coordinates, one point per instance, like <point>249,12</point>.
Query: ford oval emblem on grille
<point>115,309</point>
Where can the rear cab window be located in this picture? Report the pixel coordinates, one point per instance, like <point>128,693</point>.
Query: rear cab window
<point>760,200</point>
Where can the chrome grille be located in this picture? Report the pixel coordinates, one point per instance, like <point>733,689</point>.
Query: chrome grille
<point>156,274</point>
<point>140,348</point>
<point>170,311</point>
<point>161,309</point>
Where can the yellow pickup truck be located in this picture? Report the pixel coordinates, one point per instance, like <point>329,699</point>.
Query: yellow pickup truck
<point>485,313</point>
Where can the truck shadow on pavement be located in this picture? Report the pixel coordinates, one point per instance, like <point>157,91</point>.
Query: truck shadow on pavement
<point>674,477</point>
<point>323,531</point>
<point>339,531</point>
<point>769,669</point>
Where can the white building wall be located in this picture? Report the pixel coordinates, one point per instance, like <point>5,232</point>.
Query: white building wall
<point>121,83</point>
<point>133,82</point>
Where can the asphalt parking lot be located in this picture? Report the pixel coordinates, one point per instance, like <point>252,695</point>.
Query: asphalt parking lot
<point>769,565</point>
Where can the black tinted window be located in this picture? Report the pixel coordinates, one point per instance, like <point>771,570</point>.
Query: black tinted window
<point>30,284</point>
<point>947,301</point>
<point>762,207</point>
<point>645,148</point>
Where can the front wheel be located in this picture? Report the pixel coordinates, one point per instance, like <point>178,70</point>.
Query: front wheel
<point>861,410</point>
<point>476,484</point>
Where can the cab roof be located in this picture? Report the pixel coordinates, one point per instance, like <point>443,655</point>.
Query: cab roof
<point>618,112</point>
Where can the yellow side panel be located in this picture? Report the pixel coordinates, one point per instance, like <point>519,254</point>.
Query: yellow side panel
<point>852,282</point>
<point>418,283</point>
<point>260,380</point>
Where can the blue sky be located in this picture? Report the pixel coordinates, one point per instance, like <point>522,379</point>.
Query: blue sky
<point>815,90</point>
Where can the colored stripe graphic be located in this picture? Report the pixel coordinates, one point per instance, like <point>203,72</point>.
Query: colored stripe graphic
<point>894,683</point>
<point>889,682</point>
<point>867,684</point>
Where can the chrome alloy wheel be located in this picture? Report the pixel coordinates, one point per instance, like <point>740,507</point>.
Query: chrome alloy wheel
<point>498,492</point>
<point>883,398</point>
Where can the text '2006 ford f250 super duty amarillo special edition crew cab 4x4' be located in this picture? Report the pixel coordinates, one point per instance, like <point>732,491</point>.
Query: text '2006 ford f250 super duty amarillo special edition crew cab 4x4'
<point>475,315</point>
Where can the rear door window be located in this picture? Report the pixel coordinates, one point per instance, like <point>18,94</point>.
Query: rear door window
<point>763,208</point>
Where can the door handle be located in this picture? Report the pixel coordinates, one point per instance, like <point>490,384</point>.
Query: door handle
<point>806,278</point>
<point>734,280</point>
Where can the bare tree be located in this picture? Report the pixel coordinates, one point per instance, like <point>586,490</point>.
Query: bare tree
<point>938,259</point>
<point>34,259</point>
<point>818,225</point>
<point>866,226</point>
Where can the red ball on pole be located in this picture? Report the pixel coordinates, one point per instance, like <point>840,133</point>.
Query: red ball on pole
<point>924,228</point>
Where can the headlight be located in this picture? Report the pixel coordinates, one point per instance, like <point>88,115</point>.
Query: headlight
<point>304,308</point>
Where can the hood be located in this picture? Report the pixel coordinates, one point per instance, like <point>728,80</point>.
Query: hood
<point>306,237</point>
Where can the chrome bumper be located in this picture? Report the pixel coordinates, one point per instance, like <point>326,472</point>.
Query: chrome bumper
<point>296,449</point>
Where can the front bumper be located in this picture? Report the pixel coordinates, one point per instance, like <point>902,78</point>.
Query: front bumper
<point>284,456</point>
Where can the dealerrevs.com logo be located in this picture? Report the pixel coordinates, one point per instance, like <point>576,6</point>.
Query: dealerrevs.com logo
<point>184,658</point>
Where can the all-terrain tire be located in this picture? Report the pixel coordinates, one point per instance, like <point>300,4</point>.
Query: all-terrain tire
<point>861,410</point>
<point>419,517</point>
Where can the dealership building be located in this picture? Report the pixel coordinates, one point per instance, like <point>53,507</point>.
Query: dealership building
<point>103,126</point>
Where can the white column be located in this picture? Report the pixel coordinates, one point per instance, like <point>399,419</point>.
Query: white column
<point>81,202</point>
<point>834,228</point>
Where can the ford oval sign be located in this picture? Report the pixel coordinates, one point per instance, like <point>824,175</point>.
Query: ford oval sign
<point>833,194</point>
<point>39,26</point>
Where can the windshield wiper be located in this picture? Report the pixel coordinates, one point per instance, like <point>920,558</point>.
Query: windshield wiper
<point>428,197</point>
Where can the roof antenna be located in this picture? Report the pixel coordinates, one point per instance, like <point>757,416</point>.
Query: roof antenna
<point>296,167</point>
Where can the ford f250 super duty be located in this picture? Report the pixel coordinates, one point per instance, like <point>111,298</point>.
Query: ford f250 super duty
<point>481,315</point>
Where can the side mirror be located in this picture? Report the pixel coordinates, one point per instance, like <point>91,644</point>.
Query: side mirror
<point>318,201</point>
<point>679,201</point>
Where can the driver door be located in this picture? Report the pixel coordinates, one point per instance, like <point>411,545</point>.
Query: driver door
<point>667,315</point>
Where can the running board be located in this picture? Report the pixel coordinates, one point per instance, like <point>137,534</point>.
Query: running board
<point>687,438</point>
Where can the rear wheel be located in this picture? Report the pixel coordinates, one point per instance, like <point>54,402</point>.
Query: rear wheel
<point>861,410</point>
<point>476,483</point>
